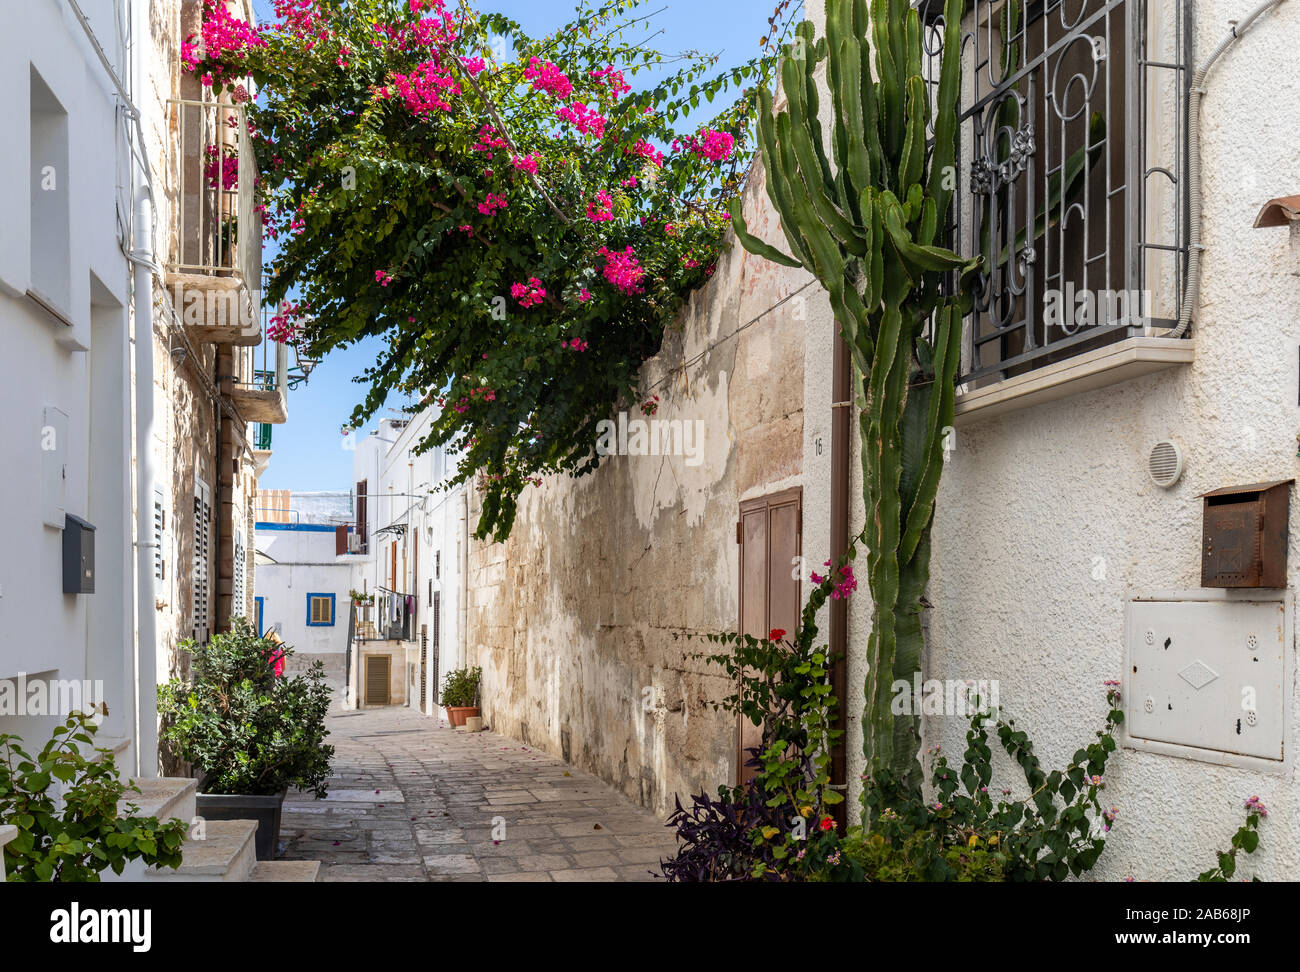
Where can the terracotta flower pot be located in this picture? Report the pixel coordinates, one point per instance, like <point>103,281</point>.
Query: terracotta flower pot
<point>457,714</point>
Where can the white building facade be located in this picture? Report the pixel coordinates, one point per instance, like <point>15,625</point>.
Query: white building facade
<point>412,541</point>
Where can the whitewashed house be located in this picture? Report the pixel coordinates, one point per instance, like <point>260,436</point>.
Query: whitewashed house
<point>304,578</point>
<point>126,417</point>
<point>412,541</point>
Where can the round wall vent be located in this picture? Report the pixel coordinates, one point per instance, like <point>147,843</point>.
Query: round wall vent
<point>1165,464</point>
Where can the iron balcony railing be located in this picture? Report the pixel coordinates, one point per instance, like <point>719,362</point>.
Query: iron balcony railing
<point>217,221</point>
<point>263,366</point>
<point>1071,177</point>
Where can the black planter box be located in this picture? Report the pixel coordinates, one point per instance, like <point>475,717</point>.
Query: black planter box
<point>264,809</point>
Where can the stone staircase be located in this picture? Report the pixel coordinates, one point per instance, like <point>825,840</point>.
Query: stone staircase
<point>226,852</point>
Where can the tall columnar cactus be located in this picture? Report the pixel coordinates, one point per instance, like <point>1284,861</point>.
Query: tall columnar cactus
<point>862,202</point>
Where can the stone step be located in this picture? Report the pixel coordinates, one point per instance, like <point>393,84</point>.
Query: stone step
<point>164,797</point>
<point>298,871</point>
<point>227,853</point>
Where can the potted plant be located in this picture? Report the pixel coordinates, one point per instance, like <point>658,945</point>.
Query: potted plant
<point>249,732</point>
<point>362,600</point>
<point>460,694</point>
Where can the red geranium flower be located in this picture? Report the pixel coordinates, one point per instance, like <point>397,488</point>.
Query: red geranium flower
<point>827,823</point>
<point>776,634</point>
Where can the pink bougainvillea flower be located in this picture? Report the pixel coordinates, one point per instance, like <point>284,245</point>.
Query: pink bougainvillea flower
<point>623,270</point>
<point>473,65</point>
<point>613,80</point>
<point>584,295</point>
<point>711,144</point>
<point>547,77</point>
<point>600,209</point>
<point>492,204</point>
<point>382,278</point>
<point>426,88</point>
<point>584,119</point>
<point>528,294</point>
<point>526,163</point>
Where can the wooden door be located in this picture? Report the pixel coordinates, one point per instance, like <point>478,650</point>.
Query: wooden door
<point>770,537</point>
<point>378,672</point>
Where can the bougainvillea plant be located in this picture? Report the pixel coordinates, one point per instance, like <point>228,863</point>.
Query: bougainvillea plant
<point>508,212</point>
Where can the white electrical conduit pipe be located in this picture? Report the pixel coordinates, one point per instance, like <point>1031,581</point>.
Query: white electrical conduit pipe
<point>1192,292</point>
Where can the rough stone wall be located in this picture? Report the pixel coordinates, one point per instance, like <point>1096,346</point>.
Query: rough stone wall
<point>582,619</point>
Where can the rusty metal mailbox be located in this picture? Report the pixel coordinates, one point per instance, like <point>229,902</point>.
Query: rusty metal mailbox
<point>1245,535</point>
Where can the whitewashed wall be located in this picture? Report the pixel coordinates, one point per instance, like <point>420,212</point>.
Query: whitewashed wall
<point>81,370</point>
<point>1031,499</point>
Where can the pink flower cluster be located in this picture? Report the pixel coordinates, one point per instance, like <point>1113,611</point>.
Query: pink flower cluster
<point>613,81</point>
<point>423,90</point>
<point>301,17</point>
<point>222,166</point>
<point>600,209</point>
<point>577,344</point>
<point>647,151</point>
<point>844,587</point>
<point>473,65</point>
<point>547,77</point>
<point>492,204</point>
<point>382,278</point>
<point>528,294</point>
<point>623,270</point>
<point>526,163</point>
<point>224,37</point>
<point>284,326</point>
<point>1255,805</point>
<point>713,145</point>
<point>488,140</point>
<point>584,119</point>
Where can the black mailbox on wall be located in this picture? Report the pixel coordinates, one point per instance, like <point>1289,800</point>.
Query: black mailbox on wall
<point>1245,535</point>
<point>78,556</point>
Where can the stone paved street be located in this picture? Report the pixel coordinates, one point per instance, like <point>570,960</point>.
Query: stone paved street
<point>413,801</point>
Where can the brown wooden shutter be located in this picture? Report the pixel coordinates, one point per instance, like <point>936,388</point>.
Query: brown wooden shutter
<point>770,536</point>
<point>377,679</point>
<point>340,539</point>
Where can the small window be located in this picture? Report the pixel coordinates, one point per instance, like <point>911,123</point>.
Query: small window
<point>320,610</point>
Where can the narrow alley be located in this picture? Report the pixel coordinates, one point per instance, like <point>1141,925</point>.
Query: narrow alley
<point>414,801</point>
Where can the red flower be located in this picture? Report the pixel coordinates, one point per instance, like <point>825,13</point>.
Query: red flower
<point>827,824</point>
<point>776,634</point>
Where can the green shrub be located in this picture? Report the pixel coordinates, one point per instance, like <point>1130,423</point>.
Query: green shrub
<point>247,730</point>
<point>460,687</point>
<point>75,834</point>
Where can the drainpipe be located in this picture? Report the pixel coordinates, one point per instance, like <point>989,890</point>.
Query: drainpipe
<point>1194,246</point>
<point>146,663</point>
<point>841,410</point>
<point>463,585</point>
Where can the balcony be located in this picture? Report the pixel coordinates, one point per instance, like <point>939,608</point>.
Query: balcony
<point>261,382</point>
<point>215,275</point>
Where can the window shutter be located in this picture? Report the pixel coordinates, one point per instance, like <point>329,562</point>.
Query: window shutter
<point>200,593</point>
<point>340,539</point>
<point>769,532</point>
<point>159,534</point>
<point>238,605</point>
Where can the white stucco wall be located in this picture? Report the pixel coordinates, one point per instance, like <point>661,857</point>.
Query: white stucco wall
<point>1030,499</point>
<point>81,369</point>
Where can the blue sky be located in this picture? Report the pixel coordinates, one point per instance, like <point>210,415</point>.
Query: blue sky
<point>309,451</point>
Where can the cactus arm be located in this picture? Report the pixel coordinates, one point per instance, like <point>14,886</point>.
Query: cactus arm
<point>753,244</point>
